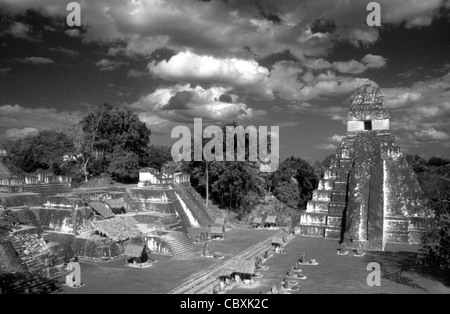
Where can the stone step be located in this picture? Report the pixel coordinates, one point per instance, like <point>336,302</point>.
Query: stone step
<point>179,243</point>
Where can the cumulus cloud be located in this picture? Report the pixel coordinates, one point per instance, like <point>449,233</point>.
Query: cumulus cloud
<point>355,67</point>
<point>16,120</point>
<point>4,70</point>
<point>136,73</point>
<point>326,147</point>
<point>336,138</point>
<point>183,103</point>
<point>109,65</point>
<point>73,32</point>
<point>65,51</point>
<point>224,28</point>
<point>37,60</point>
<point>431,135</point>
<point>289,81</point>
<point>20,30</point>
<point>373,61</point>
<point>421,112</point>
<point>397,98</point>
<point>298,107</point>
<point>187,66</point>
<point>352,67</point>
<point>15,134</point>
<point>414,13</point>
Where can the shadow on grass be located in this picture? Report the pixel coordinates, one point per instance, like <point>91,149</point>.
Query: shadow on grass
<point>394,264</point>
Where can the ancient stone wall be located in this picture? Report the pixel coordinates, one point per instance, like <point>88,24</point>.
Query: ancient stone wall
<point>369,194</point>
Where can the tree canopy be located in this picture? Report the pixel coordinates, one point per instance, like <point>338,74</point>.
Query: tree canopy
<point>109,133</point>
<point>116,128</point>
<point>434,178</point>
<point>157,156</point>
<point>294,182</point>
<point>46,151</point>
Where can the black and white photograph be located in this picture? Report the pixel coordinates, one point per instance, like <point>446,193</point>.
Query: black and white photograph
<point>225,150</point>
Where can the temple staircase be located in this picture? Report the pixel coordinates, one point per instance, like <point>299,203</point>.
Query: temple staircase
<point>179,243</point>
<point>324,213</point>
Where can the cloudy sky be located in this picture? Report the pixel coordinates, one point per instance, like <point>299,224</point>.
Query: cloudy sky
<point>288,63</point>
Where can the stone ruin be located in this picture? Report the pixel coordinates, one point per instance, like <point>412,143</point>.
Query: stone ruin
<point>170,193</point>
<point>42,183</point>
<point>153,177</point>
<point>97,224</point>
<point>369,195</point>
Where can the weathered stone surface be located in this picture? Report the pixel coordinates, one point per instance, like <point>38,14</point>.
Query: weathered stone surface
<point>369,188</point>
<point>367,104</point>
<point>365,196</point>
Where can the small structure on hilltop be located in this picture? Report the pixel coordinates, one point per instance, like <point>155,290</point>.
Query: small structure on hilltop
<point>257,222</point>
<point>116,206</point>
<point>170,193</point>
<point>225,279</point>
<point>137,254</point>
<point>220,221</point>
<point>43,183</point>
<point>277,243</point>
<point>271,221</point>
<point>369,194</point>
<point>151,176</point>
<point>101,210</point>
<point>243,270</point>
<point>218,232</point>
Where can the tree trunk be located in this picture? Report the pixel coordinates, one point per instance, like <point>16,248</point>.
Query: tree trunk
<point>86,173</point>
<point>86,176</point>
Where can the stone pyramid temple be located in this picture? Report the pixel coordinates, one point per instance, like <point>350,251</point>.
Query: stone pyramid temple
<point>369,194</point>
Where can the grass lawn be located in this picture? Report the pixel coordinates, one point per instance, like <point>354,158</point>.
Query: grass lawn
<point>167,273</point>
<point>348,274</point>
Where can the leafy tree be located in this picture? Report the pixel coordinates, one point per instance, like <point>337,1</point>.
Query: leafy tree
<point>20,155</point>
<point>438,162</point>
<point>157,156</point>
<point>124,166</point>
<point>235,183</point>
<point>172,167</point>
<point>304,175</point>
<point>50,148</point>
<point>46,150</point>
<point>417,163</point>
<point>286,188</point>
<point>434,179</point>
<point>229,183</point>
<point>437,240</point>
<point>321,166</point>
<point>113,128</point>
<point>83,138</point>
<point>103,131</point>
<point>7,221</point>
